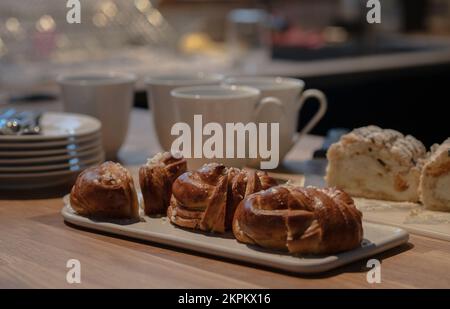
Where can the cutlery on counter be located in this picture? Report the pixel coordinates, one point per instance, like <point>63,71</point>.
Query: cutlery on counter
<point>19,123</point>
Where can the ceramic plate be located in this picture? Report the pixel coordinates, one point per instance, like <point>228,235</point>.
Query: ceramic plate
<point>59,126</point>
<point>31,181</point>
<point>34,145</point>
<point>50,159</point>
<point>377,238</point>
<point>71,149</point>
<point>4,177</point>
<point>54,167</point>
<point>41,180</point>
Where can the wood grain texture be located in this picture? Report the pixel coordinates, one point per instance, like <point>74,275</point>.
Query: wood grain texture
<point>35,245</point>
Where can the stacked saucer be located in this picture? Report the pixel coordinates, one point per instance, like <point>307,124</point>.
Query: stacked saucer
<point>68,144</point>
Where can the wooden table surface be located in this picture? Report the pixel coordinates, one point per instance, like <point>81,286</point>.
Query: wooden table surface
<point>35,245</point>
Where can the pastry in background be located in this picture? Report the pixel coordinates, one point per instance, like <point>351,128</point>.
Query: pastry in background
<point>376,163</point>
<point>435,179</point>
<point>106,191</point>
<point>207,198</point>
<point>299,220</point>
<point>156,179</point>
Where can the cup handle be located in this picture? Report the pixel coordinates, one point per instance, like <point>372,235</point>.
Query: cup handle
<point>323,106</point>
<point>266,103</point>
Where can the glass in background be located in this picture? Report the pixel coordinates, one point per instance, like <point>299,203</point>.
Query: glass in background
<point>248,38</point>
<point>37,43</point>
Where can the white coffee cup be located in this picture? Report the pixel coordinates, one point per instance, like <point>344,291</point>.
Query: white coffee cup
<point>160,102</point>
<point>220,105</point>
<point>290,93</point>
<point>105,96</point>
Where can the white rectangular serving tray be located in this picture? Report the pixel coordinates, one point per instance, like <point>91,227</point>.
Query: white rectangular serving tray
<point>377,238</point>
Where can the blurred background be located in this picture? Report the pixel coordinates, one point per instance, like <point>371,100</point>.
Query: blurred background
<point>393,74</point>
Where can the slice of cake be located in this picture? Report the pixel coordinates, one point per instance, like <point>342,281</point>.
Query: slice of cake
<point>376,163</point>
<point>435,180</point>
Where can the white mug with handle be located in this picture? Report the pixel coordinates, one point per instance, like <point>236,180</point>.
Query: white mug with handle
<point>162,109</point>
<point>205,109</point>
<point>289,91</point>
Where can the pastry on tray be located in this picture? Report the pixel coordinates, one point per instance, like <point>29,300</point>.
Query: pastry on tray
<point>207,198</point>
<point>376,163</point>
<point>299,220</point>
<point>105,191</point>
<point>156,179</point>
<point>435,179</point>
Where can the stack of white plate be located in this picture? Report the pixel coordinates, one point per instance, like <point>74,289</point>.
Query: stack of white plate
<point>68,144</point>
